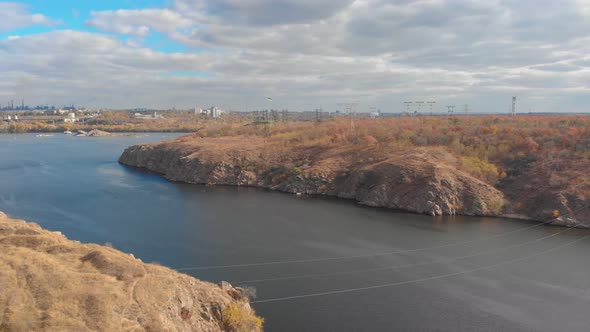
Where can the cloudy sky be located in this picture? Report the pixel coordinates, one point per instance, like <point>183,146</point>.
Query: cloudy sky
<point>305,54</point>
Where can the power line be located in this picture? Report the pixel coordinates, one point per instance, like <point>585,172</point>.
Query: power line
<point>414,281</point>
<point>446,260</point>
<point>357,256</point>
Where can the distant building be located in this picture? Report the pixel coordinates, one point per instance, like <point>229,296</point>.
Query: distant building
<point>375,114</point>
<point>213,112</point>
<point>152,116</point>
<point>71,118</point>
<point>216,112</point>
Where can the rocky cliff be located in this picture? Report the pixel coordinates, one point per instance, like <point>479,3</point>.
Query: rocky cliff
<point>421,181</point>
<point>50,283</point>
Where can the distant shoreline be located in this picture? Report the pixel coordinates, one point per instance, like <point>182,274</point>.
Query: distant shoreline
<point>91,128</point>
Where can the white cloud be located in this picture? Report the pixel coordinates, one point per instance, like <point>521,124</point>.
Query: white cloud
<point>261,12</point>
<point>138,22</point>
<point>15,15</point>
<point>584,6</point>
<point>308,54</point>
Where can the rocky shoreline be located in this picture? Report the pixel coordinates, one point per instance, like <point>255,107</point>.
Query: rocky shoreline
<point>51,283</point>
<point>420,181</point>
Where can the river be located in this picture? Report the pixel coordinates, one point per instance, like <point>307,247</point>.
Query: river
<point>313,258</point>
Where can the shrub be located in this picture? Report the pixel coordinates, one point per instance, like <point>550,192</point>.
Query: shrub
<point>237,318</point>
<point>482,169</point>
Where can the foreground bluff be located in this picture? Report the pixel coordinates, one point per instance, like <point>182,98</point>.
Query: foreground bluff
<point>419,180</point>
<point>50,283</point>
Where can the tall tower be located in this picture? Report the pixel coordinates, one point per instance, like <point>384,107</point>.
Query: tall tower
<point>408,106</point>
<point>513,106</point>
<point>349,108</point>
<point>420,104</point>
<point>451,109</point>
<point>431,105</point>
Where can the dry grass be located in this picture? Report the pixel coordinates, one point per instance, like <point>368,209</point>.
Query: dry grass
<point>540,163</point>
<point>237,319</point>
<point>50,283</point>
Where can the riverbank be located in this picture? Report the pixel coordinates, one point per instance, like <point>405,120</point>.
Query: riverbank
<point>115,131</point>
<point>424,180</point>
<point>52,283</point>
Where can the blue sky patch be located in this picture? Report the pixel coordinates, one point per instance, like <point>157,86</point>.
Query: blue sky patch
<point>159,42</point>
<point>72,15</point>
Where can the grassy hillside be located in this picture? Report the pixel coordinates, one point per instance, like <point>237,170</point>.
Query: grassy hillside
<point>538,163</point>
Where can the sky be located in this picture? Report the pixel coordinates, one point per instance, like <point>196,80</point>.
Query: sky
<point>304,54</point>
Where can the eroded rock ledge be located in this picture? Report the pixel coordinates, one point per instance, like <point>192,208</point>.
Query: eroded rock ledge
<point>421,180</point>
<point>416,181</point>
<point>50,283</point>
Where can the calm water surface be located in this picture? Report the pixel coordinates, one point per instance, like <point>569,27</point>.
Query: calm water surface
<point>75,185</point>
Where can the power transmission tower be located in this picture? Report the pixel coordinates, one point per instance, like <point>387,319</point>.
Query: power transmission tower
<point>513,106</point>
<point>408,106</point>
<point>451,109</point>
<point>349,108</point>
<point>431,106</point>
<point>466,109</point>
<point>419,110</point>
<point>318,114</point>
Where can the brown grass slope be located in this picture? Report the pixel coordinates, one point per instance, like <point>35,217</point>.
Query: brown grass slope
<point>486,177</point>
<point>50,283</point>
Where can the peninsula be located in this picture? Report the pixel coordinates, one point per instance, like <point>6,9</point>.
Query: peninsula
<point>532,168</point>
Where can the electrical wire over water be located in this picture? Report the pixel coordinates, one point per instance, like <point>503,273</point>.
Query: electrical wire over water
<point>396,267</point>
<point>420,280</point>
<point>298,261</point>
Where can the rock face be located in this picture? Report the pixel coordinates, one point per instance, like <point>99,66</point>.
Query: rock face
<point>50,283</point>
<point>420,186</point>
<point>93,133</point>
<point>421,181</point>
